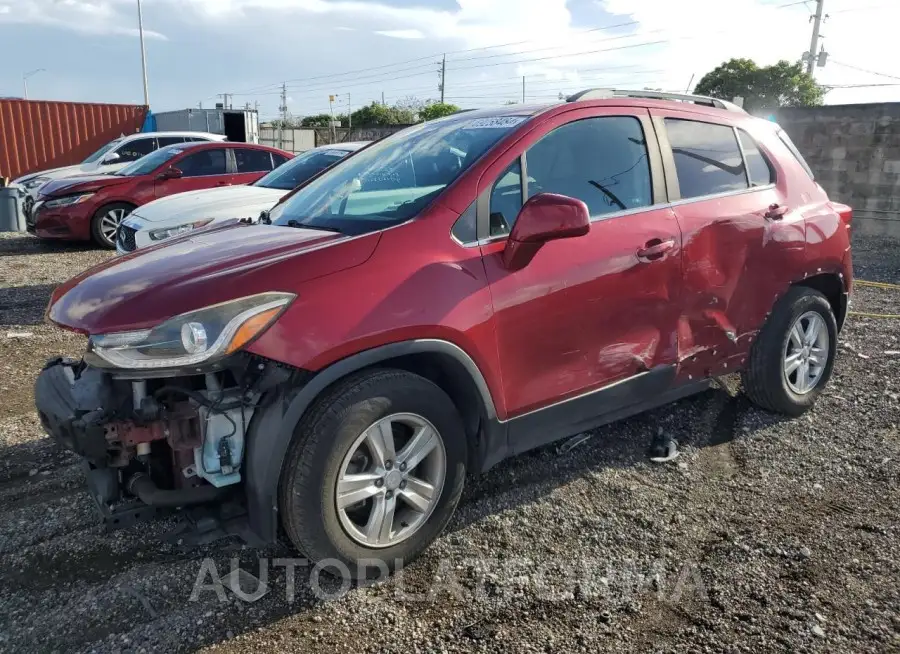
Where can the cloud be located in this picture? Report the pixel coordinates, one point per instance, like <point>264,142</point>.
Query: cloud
<point>401,34</point>
<point>86,16</point>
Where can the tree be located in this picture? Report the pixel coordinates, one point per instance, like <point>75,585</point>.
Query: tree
<point>763,88</point>
<point>319,120</point>
<point>379,114</point>
<point>436,110</point>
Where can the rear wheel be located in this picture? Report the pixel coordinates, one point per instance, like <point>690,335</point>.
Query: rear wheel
<point>374,472</point>
<point>105,223</point>
<point>792,359</point>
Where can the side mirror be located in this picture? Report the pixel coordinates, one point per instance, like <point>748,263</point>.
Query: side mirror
<point>171,173</point>
<point>545,217</point>
<point>112,157</point>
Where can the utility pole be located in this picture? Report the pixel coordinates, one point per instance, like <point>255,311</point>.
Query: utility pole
<point>224,97</point>
<point>283,110</point>
<point>143,55</point>
<point>382,98</point>
<point>443,76</point>
<point>331,108</point>
<point>523,89</point>
<point>26,76</point>
<point>349,117</point>
<point>814,42</point>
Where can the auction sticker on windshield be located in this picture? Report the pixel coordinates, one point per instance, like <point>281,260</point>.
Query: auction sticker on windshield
<point>497,122</point>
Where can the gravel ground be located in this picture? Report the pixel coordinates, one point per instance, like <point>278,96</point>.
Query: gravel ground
<point>766,534</point>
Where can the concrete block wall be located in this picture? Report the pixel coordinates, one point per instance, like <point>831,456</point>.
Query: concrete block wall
<point>854,151</point>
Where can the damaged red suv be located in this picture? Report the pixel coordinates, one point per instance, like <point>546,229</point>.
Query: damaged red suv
<point>463,291</point>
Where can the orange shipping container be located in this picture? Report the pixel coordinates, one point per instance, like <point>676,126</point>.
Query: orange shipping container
<point>37,135</point>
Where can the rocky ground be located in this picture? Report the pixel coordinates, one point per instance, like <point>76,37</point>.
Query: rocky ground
<point>765,535</point>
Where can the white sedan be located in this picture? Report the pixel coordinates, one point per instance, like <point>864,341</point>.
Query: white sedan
<point>183,212</point>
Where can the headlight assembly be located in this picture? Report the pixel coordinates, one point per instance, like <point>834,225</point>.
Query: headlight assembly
<point>201,336</point>
<point>37,182</point>
<point>67,201</point>
<point>168,232</point>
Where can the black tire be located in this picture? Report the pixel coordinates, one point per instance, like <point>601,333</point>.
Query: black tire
<point>323,438</point>
<point>97,223</point>
<point>764,380</point>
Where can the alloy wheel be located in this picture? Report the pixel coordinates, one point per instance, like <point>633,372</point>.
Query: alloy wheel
<point>109,224</point>
<point>806,353</point>
<point>390,480</point>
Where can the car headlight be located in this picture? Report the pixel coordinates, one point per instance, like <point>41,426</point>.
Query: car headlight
<point>168,232</point>
<point>67,201</point>
<point>32,184</point>
<point>200,336</point>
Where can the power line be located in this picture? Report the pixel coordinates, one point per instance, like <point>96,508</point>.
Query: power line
<point>333,77</point>
<point>864,70</point>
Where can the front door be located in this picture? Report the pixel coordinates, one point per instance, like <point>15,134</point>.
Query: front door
<point>587,312</point>
<point>206,168</point>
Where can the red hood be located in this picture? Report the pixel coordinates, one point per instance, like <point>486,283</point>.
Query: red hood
<point>81,184</point>
<point>144,288</point>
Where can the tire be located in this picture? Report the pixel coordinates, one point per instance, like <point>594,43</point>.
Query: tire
<point>765,379</point>
<point>332,438</point>
<point>116,211</point>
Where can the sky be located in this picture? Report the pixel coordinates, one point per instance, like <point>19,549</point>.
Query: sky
<point>196,49</point>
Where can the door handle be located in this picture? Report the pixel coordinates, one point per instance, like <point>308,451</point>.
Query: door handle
<point>655,249</point>
<point>223,183</point>
<point>776,212</point>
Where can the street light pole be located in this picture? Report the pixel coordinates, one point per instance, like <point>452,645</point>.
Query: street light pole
<point>27,75</point>
<point>143,55</point>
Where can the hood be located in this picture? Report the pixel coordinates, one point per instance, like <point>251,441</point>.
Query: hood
<point>51,173</point>
<point>146,287</point>
<point>226,202</point>
<point>81,183</point>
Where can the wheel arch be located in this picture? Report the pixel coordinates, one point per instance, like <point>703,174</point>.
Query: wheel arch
<point>442,362</point>
<point>831,285</point>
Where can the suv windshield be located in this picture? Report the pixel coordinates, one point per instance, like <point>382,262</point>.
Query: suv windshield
<point>393,180</point>
<point>299,169</point>
<point>148,163</point>
<point>99,154</point>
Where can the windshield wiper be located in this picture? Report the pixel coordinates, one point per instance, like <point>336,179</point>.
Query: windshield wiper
<point>297,223</point>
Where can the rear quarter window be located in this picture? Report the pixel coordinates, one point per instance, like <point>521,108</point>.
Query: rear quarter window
<point>789,144</point>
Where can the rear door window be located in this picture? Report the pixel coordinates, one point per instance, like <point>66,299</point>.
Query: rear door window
<point>758,165</point>
<point>707,158</point>
<point>252,161</point>
<point>163,141</point>
<point>203,163</point>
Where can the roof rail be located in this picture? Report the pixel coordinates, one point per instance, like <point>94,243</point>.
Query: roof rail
<point>605,94</point>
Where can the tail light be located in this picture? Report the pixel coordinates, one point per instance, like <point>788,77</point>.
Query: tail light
<point>845,212</point>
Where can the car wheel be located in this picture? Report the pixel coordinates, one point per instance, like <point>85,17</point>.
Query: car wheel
<point>105,223</point>
<point>792,359</point>
<point>374,472</point>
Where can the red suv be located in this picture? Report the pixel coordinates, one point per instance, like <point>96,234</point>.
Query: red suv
<point>458,293</point>
<point>90,207</point>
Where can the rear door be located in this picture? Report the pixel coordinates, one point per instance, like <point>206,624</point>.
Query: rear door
<point>742,243</point>
<point>592,311</point>
<point>205,168</point>
<point>250,164</point>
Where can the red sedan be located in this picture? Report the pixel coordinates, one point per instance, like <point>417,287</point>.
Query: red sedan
<point>90,207</point>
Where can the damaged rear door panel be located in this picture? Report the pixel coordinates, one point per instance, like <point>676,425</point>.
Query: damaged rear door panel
<point>743,238</point>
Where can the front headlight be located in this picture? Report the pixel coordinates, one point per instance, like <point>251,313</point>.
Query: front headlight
<point>67,201</point>
<point>201,336</point>
<point>32,184</point>
<point>168,232</point>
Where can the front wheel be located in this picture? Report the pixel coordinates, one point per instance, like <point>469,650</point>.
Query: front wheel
<point>374,472</point>
<point>792,359</point>
<point>105,223</point>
